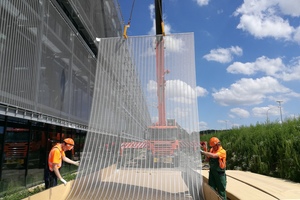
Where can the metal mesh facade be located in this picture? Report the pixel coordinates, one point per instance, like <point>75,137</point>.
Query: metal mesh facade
<point>47,57</point>
<point>95,15</point>
<point>128,153</point>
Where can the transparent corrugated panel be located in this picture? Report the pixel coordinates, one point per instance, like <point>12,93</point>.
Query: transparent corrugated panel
<point>143,139</point>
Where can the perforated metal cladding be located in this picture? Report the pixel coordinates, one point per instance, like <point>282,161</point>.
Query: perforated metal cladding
<point>143,139</point>
<point>44,65</point>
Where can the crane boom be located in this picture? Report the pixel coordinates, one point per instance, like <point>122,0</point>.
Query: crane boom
<point>160,69</point>
<point>158,17</point>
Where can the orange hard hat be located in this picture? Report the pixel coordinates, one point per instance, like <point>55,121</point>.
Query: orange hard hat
<point>69,141</point>
<point>213,141</point>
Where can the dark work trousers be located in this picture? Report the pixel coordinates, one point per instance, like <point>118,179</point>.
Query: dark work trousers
<point>50,178</point>
<point>217,180</point>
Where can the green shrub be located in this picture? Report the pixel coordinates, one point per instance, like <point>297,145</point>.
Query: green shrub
<point>270,149</point>
<point>21,193</point>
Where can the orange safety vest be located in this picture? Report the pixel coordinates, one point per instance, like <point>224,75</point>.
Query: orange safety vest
<point>222,156</point>
<point>55,156</point>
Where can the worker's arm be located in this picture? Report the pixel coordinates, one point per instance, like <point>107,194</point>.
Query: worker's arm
<point>210,155</point>
<point>66,159</point>
<point>56,171</point>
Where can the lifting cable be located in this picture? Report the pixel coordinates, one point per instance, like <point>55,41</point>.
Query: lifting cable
<point>129,21</point>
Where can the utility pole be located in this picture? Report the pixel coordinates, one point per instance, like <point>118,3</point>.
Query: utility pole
<point>279,103</point>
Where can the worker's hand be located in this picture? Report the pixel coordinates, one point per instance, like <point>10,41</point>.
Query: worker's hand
<point>77,163</point>
<point>201,151</point>
<point>63,181</point>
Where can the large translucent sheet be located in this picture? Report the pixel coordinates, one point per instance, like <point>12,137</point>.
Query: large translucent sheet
<point>143,139</point>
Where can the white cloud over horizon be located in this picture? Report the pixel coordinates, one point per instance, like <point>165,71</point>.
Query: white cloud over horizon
<point>270,110</point>
<point>223,55</point>
<point>178,91</point>
<point>248,91</point>
<point>242,113</point>
<point>267,18</point>
<point>270,67</point>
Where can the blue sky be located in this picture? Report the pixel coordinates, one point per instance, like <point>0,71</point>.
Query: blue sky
<point>247,55</point>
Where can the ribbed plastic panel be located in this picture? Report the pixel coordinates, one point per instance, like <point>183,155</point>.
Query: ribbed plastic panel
<point>143,139</point>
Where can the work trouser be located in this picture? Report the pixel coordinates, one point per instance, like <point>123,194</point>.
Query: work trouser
<point>50,178</point>
<point>217,180</point>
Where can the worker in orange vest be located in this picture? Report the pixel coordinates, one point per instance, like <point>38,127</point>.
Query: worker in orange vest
<point>217,165</point>
<point>56,156</point>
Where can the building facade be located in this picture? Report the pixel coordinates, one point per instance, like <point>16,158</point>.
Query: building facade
<point>48,59</point>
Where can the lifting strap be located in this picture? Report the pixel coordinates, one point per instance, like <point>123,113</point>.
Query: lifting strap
<point>163,28</point>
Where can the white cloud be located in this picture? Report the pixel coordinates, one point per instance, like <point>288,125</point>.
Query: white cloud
<point>290,7</point>
<point>242,68</point>
<point>262,64</point>
<point>181,113</point>
<point>221,121</point>
<point>265,111</point>
<point>293,70</point>
<point>227,124</point>
<point>223,55</point>
<point>174,44</point>
<point>201,92</point>
<point>178,91</point>
<point>297,35</point>
<point>152,17</point>
<point>242,113</point>
<point>231,115</point>
<point>270,26</point>
<point>250,91</point>
<point>202,2</point>
<point>203,125</point>
<point>271,67</point>
<point>269,18</point>
<point>152,86</point>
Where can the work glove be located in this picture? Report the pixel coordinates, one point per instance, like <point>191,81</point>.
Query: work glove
<point>201,151</point>
<point>77,163</point>
<point>63,181</point>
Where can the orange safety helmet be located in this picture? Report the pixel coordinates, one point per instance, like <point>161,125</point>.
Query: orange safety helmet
<point>69,141</point>
<point>213,141</point>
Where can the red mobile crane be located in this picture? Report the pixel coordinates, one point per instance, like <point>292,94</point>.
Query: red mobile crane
<point>162,140</point>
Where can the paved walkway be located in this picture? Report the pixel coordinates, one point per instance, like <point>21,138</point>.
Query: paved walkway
<point>250,186</point>
<point>168,185</point>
